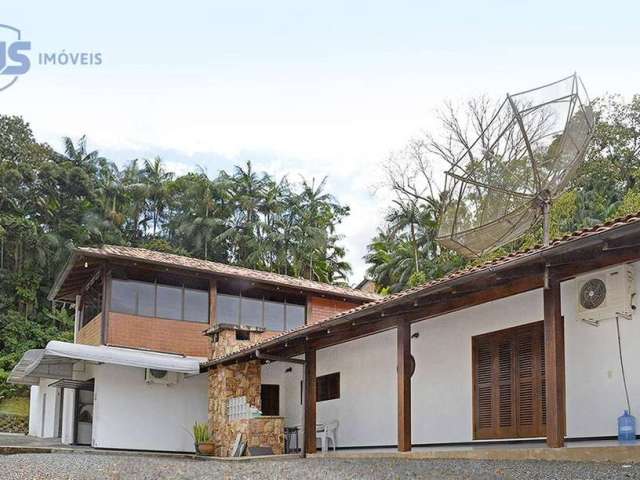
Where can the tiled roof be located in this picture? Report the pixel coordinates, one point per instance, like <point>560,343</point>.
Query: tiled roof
<point>424,288</point>
<point>172,260</point>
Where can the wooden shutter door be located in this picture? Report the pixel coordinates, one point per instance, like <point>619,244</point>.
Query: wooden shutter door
<point>508,383</point>
<point>506,387</point>
<point>531,398</point>
<point>495,414</point>
<point>483,355</point>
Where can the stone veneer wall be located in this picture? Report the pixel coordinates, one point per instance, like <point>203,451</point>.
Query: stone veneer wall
<point>259,432</point>
<point>243,379</point>
<point>227,342</point>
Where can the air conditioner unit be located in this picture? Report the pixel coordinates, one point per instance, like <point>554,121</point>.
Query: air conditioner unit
<point>152,375</point>
<point>606,294</point>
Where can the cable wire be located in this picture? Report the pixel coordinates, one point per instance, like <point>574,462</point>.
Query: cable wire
<point>624,377</point>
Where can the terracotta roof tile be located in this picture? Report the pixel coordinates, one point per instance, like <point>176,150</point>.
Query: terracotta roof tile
<point>488,265</point>
<point>169,259</point>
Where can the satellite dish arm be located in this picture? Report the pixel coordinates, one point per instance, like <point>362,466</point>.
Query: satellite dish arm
<point>526,141</point>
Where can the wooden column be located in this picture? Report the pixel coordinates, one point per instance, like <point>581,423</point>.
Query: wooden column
<point>77,318</point>
<point>404,386</point>
<point>213,295</point>
<point>554,365</point>
<point>309,406</point>
<point>106,305</point>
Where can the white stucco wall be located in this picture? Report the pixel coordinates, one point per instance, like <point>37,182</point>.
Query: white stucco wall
<point>44,397</point>
<point>68,409</point>
<point>442,385</point>
<point>595,391</point>
<point>132,414</point>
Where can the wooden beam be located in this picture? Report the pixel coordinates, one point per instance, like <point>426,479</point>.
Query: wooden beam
<point>309,406</point>
<point>554,365</point>
<point>274,358</point>
<point>404,387</point>
<point>582,262</point>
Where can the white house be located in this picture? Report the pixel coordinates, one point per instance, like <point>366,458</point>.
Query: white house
<point>525,346</point>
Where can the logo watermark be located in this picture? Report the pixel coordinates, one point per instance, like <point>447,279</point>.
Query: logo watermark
<point>15,60</point>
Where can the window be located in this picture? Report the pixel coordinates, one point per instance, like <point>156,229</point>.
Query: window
<point>328,387</point>
<point>159,300</point>
<point>169,302</point>
<point>261,310</point>
<point>270,399</point>
<point>295,315</point>
<point>273,315</point>
<point>243,335</point>
<point>196,305</point>
<point>123,297</point>
<point>251,312</point>
<point>146,298</point>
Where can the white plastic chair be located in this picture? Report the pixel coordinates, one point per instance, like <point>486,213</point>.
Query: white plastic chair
<point>327,432</point>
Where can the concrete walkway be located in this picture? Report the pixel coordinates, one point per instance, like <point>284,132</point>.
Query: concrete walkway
<point>576,451</point>
<point>581,451</point>
<point>11,443</point>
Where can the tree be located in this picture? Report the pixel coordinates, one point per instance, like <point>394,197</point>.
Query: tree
<point>606,186</point>
<point>156,179</point>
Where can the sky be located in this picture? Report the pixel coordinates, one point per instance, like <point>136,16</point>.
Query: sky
<point>300,88</point>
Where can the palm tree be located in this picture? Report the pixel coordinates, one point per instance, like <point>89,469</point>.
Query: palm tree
<point>405,214</point>
<point>78,155</point>
<point>156,179</point>
<point>200,216</point>
<point>135,191</point>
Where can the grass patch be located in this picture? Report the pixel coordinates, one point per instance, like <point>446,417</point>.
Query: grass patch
<point>15,406</point>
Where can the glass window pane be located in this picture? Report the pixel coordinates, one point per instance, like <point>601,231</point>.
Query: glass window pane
<point>274,316</point>
<point>251,312</point>
<point>146,298</point>
<point>196,305</point>
<point>169,302</point>
<point>123,297</point>
<point>295,316</point>
<point>227,309</point>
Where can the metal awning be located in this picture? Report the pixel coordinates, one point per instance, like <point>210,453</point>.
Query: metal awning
<point>56,360</point>
<point>74,384</point>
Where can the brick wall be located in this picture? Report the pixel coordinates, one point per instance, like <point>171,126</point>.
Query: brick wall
<point>158,334</point>
<point>90,333</point>
<point>322,308</point>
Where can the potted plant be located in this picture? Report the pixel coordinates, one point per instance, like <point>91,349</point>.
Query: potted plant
<point>201,437</point>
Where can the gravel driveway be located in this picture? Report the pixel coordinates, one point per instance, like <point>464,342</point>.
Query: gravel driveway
<point>92,466</point>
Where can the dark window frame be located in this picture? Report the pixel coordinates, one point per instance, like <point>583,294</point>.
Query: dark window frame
<point>155,284</point>
<point>272,389</point>
<point>328,387</point>
<point>263,299</point>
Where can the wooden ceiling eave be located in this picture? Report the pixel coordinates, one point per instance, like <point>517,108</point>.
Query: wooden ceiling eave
<point>74,277</point>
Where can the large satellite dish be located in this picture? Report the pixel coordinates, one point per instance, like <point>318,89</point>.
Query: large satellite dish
<point>524,158</point>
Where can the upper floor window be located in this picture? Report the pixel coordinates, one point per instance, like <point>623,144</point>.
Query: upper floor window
<point>266,310</point>
<point>160,300</point>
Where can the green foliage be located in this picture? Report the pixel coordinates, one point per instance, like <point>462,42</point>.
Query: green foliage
<point>629,205</point>
<point>51,201</point>
<point>200,432</point>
